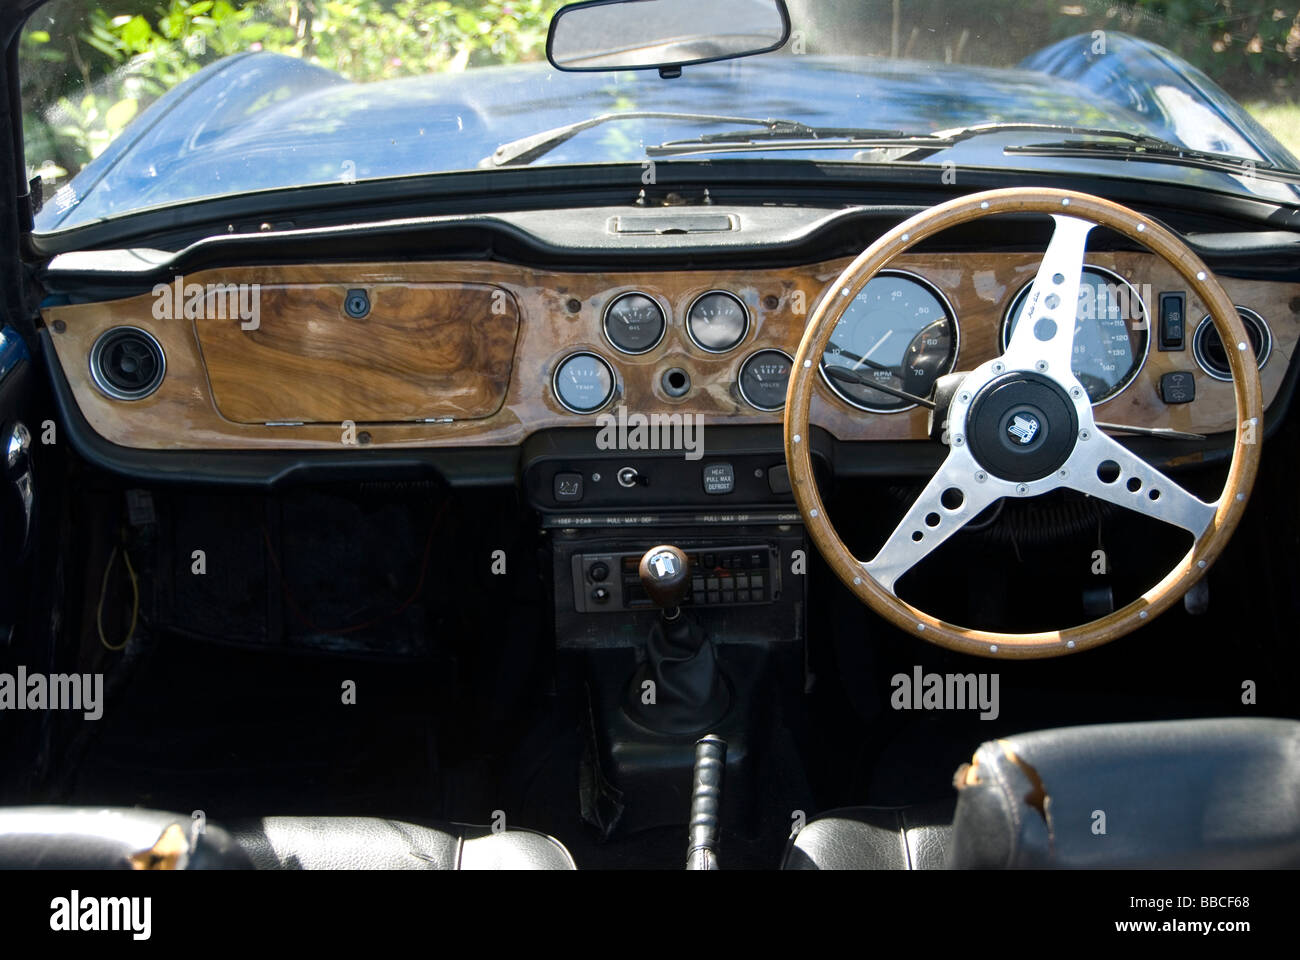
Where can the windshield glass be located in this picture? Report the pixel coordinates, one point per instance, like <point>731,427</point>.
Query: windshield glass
<point>136,104</point>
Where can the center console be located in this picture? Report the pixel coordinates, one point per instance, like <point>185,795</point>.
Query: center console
<point>663,664</point>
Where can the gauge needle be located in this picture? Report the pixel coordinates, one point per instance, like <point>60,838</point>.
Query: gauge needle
<point>865,358</point>
<point>846,374</point>
<point>1164,433</point>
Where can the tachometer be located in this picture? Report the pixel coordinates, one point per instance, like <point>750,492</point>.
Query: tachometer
<point>1110,332</point>
<point>899,333</point>
<point>583,382</point>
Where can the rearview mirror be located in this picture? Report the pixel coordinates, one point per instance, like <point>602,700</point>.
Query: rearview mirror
<point>663,34</point>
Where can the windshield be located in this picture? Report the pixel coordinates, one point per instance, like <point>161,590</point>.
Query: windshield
<point>136,104</point>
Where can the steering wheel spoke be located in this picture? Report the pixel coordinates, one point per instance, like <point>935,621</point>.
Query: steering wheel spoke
<point>951,499</point>
<point>1103,467</point>
<point>1043,338</point>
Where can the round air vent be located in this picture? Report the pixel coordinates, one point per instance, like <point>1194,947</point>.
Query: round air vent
<point>1207,346</point>
<point>127,363</point>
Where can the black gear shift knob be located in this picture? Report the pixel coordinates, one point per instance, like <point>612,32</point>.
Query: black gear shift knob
<point>666,575</point>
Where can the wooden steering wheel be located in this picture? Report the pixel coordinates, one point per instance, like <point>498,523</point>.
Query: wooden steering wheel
<point>1055,442</point>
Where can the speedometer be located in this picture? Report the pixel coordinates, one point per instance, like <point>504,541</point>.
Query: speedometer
<point>1110,332</point>
<point>898,336</point>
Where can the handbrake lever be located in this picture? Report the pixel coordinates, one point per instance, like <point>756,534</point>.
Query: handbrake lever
<point>706,803</point>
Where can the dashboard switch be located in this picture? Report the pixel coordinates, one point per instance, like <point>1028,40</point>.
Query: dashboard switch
<point>719,478</point>
<point>568,487</point>
<point>778,478</point>
<point>1178,387</point>
<point>1173,323</point>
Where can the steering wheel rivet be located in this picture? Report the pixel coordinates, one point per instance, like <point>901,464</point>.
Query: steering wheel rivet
<point>920,626</point>
<point>907,237</point>
<point>1201,564</point>
<point>807,363</point>
<point>1241,346</point>
<point>1241,496</point>
<point>984,204</point>
<point>1065,202</point>
<point>1142,614</point>
<point>857,580</point>
<point>813,511</point>
<point>1200,275</point>
<point>993,648</point>
<point>1070,644</point>
<point>1142,227</point>
<point>796,438</point>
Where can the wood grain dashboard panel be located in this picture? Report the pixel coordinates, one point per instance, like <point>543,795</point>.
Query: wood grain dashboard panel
<point>206,400</point>
<point>421,352</point>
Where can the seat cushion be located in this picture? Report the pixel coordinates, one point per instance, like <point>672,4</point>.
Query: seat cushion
<point>1185,793</point>
<point>371,843</point>
<point>107,838</point>
<point>873,838</point>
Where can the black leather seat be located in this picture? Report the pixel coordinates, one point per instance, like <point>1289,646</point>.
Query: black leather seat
<point>874,838</point>
<point>89,838</point>
<point>368,843</point>
<point>1186,793</point>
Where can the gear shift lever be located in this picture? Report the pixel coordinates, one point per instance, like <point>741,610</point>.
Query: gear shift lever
<point>666,575</point>
<point>679,688</point>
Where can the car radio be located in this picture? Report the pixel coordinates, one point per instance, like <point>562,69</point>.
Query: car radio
<point>720,575</point>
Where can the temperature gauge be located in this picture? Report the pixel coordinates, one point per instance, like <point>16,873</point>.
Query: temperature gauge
<point>583,382</point>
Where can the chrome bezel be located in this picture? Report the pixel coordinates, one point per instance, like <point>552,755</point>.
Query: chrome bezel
<point>740,378</point>
<point>1005,336</point>
<point>102,383</point>
<point>956,345</point>
<point>663,322</point>
<point>613,382</point>
<point>1247,315</point>
<point>743,333</point>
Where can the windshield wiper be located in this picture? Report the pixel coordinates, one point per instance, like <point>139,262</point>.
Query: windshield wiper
<point>1137,146</point>
<point>1159,152</point>
<point>527,149</point>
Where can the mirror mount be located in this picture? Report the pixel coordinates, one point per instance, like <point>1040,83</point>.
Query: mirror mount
<point>663,35</point>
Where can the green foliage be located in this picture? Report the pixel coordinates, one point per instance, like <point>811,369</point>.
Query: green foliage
<point>120,59</point>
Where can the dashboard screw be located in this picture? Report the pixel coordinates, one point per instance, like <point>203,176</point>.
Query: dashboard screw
<point>958,440</point>
<point>1084,435</point>
<point>1021,489</point>
<point>770,302</point>
<point>980,476</point>
<point>999,366</point>
<point>573,305</point>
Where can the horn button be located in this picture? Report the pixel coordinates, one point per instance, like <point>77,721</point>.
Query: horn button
<point>1022,426</point>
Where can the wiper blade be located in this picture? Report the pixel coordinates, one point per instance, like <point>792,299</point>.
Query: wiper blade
<point>1159,152</point>
<point>527,149</point>
<point>804,137</point>
<point>1133,145</point>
